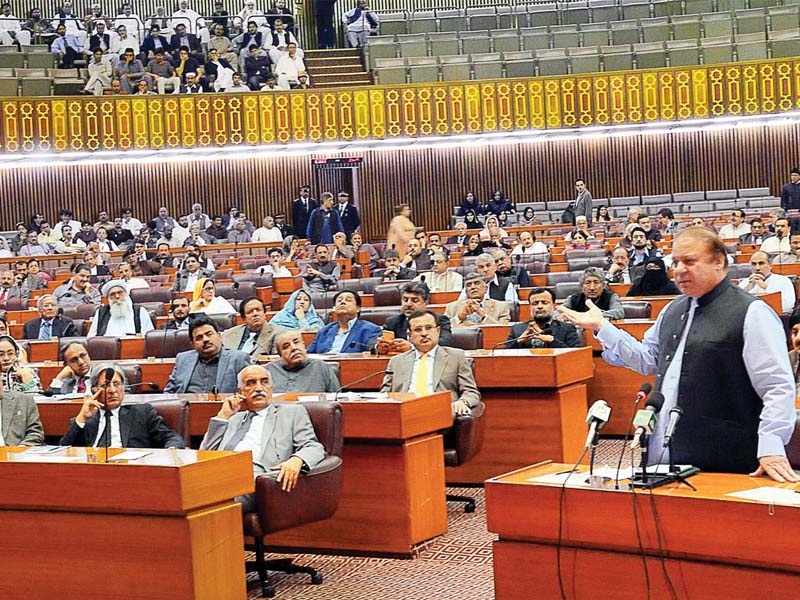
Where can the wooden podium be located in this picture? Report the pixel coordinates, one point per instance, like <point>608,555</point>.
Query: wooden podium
<point>714,545</point>
<point>162,527</point>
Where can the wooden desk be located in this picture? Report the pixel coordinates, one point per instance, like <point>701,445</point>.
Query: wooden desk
<point>393,489</point>
<point>93,531</point>
<point>716,546</point>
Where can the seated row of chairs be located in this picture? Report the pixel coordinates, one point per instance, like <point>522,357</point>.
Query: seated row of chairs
<point>546,14</point>
<point>39,82</point>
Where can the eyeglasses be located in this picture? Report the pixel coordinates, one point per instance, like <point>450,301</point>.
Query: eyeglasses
<point>83,356</point>
<point>423,328</point>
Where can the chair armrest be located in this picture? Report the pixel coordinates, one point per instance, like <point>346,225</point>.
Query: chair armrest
<point>314,498</point>
<point>466,434</point>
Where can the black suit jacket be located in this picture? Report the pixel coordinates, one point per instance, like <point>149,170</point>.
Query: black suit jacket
<point>350,219</point>
<point>140,426</point>
<point>300,216</point>
<point>399,325</point>
<point>62,327</point>
<point>564,336</point>
<point>102,271</point>
<point>194,44</point>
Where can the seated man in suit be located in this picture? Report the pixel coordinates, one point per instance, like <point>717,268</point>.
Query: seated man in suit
<point>286,445</point>
<point>347,333</point>
<point>9,290</point>
<point>78,290</point>
<point>429,367</point>
<point>190,273</point>
<point>256,336</point>
<point>542,331</point>
<point>477,309</point>
<point>295,372</point>
<point>460,239</point>
<point>179,311</point>
<point>50,324</point>
<point>414,296</point>
<point>518,275</point>
<point>104,422</point>
<point>208,368</point>
<point>19,419</point>
<point>394,271</point>
<point>74,377</point>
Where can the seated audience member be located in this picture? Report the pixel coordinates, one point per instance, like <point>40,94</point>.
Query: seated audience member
<point>220,70</point>
<point>477,308</point>
<point>542,331</point>
<point>209,367</point>
<point>295,372</point>
<point>736,228</point>
<point>217,231</point>
<point>170,238</point>
<point>103,243</point>
<point>15,377</point>
<point>21,425</point>
<point>414,296</point>
<point>223,45</point>
<point>492,227</point>
<point>74,377</point>
<point>789,258</point>
<point>120,317</point>
<point>471,204</point>
<point>601,215</point>
<point>179,314</point>
<point>474,247</point>
<point>323,273</point>
<point>50,324</point>
<point>9,290</point>
<point>34,247</point>
<point>289,67</point>
<point>287,445</point>
<point>191,249</point>
<point>499,203</point>
<point>267,232</point>
<point>198,217</point>
<point>517,275</point>
<point>413,371</point>
<point>68,244</point>
<point>394,271</point>
<point>256,336</point>
<point>87,233</point>
<point>275,266</point>
<point>27,280</point>
<point>794,342</point>
<point>104,421</point>
<point>440,278</point>
<point>298,313</point>
<point>460,238</point>
<point>205,299</point>
<point>277,42</point>
<point>347,333</point>
<point>186,279</point>
<point>35,270</point>
<point>141,266</point>
<point>640,252</point>
<point>131,282</point>
<point>593,287</point>
<point>78,290</point>
<point>655,281</point>
<point>579,241</point>
<point>341,249</point>
<point>653,235</point>
<point>96,269</point>
<point>780,241</point>
<point>120,235</point>
<point>757,234</point>
<point>292,248</point>
<point>763,281</point>
<point>619,271</point>
<point>417,259</point>
<point>239,233</point>
<point>256,68</point>
<point>164,256</point>
<point>435,245</point>
<point>581,226</point>
<point>498,288</point>
<point>360,246</point>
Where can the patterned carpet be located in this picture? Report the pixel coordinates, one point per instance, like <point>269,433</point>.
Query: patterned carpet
<point>455,566</point>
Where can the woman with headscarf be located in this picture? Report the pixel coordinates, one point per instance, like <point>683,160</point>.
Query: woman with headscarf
<point>205,300</point>
<point>472,221</point>
<point>298,313</point>
<point>655,281</point>
<point>470,204</point>
<point>16,378</point>
<point>401,230</point>
<point>493,227</point>
<point>474,247</point>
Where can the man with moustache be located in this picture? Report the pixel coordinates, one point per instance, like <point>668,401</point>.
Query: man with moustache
<point>295,372</point>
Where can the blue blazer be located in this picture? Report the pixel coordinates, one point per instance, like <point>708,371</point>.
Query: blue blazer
<point>360,338</point>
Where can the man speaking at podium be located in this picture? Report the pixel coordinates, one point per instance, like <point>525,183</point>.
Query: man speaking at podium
<point>720,355</point>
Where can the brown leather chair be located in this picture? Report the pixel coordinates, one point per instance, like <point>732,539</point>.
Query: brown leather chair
<point>387,294</point>
<point>467,338</point>
<point>565,289</point>
<point>252,262</point>
<point>176,415</point>
<point>163,295</point>
<point>162,343</point>
<point>461,443</point>
<point>133,373</point>
<point>638,309</point>
<point>378,315</point>
<point>104,348</point>
<point>261,281</point>
<point>232,291</point>
<point>315,497</point>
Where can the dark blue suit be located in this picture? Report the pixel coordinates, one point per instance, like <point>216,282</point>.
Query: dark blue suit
<point>360,338</point>
<point>349,218</point>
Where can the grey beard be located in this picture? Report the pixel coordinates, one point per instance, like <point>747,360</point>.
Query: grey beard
<point>119,309</point>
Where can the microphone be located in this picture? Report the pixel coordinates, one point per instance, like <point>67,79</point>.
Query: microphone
<point>108,376</point>
<point>151,385</point>
<point>362,345</point>
<point>645,420</point>
<point>597,417</point>
<point>674,416</point>
<point>503,343</point>
<point>59,312</point>
<point>643,392</point>
<point>422,278</point>
<point>215,392</point>
<point>359,380</point>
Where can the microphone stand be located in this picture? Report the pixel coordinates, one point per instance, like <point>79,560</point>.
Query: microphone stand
<point>359,380</point>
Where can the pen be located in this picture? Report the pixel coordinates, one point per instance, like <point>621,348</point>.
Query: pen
<point>571,470</point>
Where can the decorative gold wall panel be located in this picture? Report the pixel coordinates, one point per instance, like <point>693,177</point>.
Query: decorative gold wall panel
<point>416,111</point>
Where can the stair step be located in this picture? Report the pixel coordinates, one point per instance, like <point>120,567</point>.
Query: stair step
<point>319,78</point>
<point>343,84</point>
<point>335,69</point>
<point>337,53</point>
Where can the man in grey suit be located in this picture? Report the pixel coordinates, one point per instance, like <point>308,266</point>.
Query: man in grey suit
<point>208,368</point>
<point>190,273</point>
<point>287,444</point>
<point>583,203</point>
<point>9,290</point>
<point>256,336</point>
<point>74,377</point>
<point>429,367</point>
<point>19,420</point>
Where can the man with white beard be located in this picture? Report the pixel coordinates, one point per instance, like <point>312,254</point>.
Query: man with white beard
<point>121,317</point>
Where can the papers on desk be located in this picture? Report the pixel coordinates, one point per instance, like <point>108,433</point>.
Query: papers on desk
<point>347,397</point>
<point>129,455</point>
<point>48,458</point>
<point>769,495</point>
<point>59,397</point>
<point>580,478</point>
<point>44,449</point>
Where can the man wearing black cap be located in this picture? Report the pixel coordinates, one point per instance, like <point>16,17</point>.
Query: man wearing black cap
<point>790,193</point>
